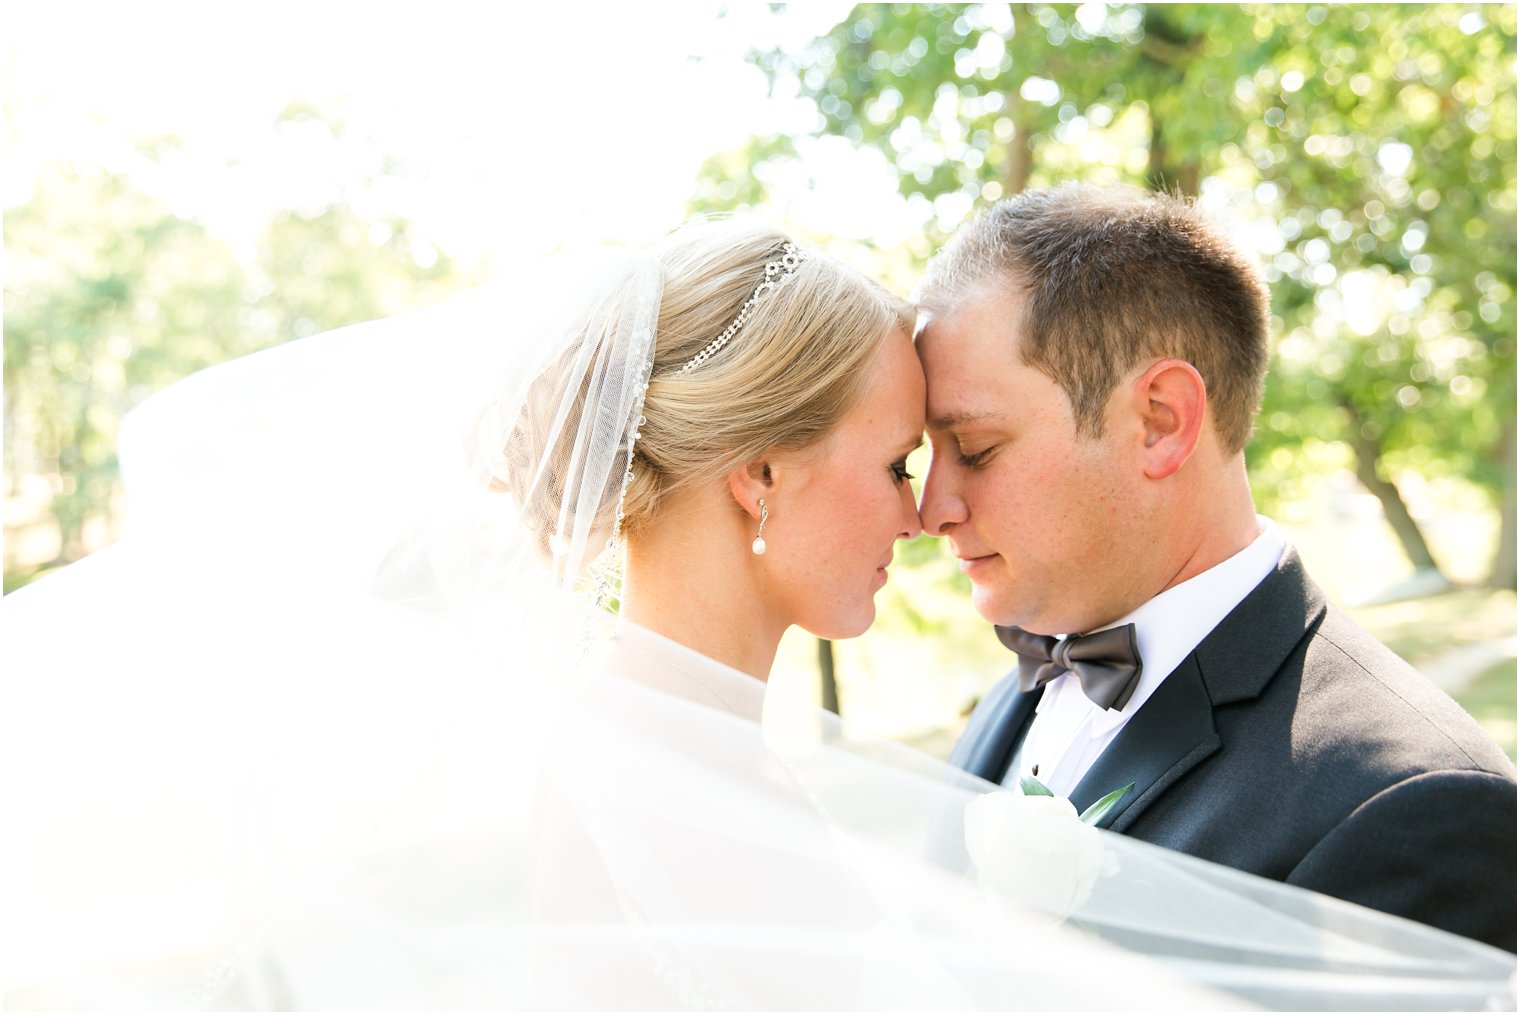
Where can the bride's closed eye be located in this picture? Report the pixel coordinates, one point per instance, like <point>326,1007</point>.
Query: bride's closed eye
<point>900,473</point>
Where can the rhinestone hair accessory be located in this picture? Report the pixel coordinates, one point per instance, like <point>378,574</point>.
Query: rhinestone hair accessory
<point>634,433</point>
<point>642,352</point>
<point>776,272</point>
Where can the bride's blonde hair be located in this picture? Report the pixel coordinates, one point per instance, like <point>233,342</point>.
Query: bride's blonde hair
<point>796,366</point>
<point>784,380</point>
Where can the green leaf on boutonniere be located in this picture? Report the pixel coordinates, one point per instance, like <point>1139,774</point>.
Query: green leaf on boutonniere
<point>1099,810</point>
<point>1033,787</point>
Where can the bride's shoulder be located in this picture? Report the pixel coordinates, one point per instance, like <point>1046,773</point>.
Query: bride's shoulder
<point>642,658</point>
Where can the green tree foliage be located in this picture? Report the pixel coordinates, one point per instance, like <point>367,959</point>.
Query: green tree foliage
<point>1367,152</point>
<point>111,295</point>
<point>108,296</point>
<point>1393,170</point>
<point>330,267</point>
<point>348,257</point>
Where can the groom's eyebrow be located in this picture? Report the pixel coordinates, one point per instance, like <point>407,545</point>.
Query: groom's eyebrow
<point>956,420</point>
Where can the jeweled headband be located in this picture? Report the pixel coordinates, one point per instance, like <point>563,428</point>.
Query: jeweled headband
<point>776,272</point>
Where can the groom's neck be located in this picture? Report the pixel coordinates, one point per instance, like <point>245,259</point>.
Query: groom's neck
<point>1214,523</point>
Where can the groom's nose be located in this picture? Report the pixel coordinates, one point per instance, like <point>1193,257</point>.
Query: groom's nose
<point>940,508</point>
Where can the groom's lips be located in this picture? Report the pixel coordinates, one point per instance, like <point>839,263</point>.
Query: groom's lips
<point>970,565</point>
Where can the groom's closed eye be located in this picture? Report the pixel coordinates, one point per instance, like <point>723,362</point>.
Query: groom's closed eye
<point>973,460</point>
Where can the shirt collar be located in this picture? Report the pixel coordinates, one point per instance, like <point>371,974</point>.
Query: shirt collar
<point>1170,625</point>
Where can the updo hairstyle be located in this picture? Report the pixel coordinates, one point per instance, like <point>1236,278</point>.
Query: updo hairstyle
<point>782,383</point>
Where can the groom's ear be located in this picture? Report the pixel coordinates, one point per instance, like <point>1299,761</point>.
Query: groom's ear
<point>1172,400</point>
<point>749,483</point>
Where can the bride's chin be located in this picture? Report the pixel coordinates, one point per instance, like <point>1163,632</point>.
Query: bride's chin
<point>842,628</point>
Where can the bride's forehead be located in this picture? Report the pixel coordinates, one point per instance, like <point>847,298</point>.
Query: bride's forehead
<point>895,371</point>
<point>888,415</point>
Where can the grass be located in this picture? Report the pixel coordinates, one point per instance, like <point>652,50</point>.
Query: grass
<point>1490,699</point>
<point>1422,629</point>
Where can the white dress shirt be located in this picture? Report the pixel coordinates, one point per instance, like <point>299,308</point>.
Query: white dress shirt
<point>1069,732</point>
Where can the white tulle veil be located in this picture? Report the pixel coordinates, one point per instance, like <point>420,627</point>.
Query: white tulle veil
<point>340,725</point>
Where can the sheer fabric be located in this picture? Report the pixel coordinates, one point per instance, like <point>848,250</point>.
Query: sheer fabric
<point>332,728</point>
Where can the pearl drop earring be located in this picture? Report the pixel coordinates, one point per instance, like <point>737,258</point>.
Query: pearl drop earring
<point>758,546</point>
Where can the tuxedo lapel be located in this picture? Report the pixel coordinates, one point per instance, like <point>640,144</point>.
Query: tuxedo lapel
<point>1248,648</point>
<point>1174,730</point>
<point>995,731</point>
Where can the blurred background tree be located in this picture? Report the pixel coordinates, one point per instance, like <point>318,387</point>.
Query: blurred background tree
<point>99,311</point>
<point>111,295</point>
<point>1369,152</point>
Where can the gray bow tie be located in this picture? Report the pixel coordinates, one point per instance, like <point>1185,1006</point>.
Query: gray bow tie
<point>1106,662</point>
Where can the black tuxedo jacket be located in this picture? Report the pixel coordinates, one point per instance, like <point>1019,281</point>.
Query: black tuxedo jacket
<point>1293,745</point>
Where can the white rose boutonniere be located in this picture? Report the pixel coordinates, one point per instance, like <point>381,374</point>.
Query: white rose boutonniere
<point>1033,851</point>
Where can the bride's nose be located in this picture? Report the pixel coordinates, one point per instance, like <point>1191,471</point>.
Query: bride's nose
<point>912,526</point>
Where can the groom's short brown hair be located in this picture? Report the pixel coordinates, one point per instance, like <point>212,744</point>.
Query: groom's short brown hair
<point>1110,276</point>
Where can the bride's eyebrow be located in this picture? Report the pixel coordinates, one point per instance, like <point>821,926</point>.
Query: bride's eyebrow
<point>912,443</point>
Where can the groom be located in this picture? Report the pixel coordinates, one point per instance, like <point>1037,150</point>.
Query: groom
<point>1095,359</point>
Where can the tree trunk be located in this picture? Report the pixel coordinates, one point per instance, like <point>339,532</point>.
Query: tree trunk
<point>1170,50</point>
<point>1020,146</point>
<point>828,688</point>
<point>1188,179</point>
<point>1368,452</point>
<point>1025,118</point>
<point>1162,175</point>
<point>1501,574</point>
<point>1156,170</point>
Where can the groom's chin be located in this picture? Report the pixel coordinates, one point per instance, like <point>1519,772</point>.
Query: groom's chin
<point>992,605</point>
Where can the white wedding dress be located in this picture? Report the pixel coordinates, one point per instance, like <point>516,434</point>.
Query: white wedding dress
<point>321,733</point>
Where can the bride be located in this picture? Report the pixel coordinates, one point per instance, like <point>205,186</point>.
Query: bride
<point>339,724</point>
<point>768,480</point>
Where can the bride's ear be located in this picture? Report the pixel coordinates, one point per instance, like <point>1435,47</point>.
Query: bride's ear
<point>749,483</point>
